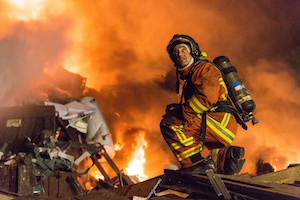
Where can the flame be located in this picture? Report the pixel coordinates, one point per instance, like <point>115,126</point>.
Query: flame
<point>96,174</point>
<point>88,180</point>
<point>26,10</point>
<point>118,146</point>
<point>136,165</point>
<point>273,163</point>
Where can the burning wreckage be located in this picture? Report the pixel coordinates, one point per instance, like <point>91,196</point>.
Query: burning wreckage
<point>41,155</point>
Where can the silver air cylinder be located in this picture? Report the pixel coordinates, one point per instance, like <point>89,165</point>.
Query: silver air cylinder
<point>236,89</point>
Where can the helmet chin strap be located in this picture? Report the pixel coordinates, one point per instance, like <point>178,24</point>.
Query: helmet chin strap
<point>178,71</point>
<point>177,82</point>
<point>187,66</point>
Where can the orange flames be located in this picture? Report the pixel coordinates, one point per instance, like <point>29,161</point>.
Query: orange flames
<point>96,173</point>
<point>118,146</point>
<point>135,161</point>
<point>136,165</point>
<point>30,10</point>
<point>274,164</point>
<point>27,10</point>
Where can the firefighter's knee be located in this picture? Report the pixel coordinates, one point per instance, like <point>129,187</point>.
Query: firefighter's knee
<point>234,160</point>
<point>165,125</point>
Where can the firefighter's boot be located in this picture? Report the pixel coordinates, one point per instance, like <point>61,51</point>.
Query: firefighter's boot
<point>205,164</point>
<point>234,160</point>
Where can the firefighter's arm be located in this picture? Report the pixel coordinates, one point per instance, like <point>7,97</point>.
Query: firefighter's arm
<point>207,87</point>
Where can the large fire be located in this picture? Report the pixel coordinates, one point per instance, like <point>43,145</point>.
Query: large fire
<point>120,48</point>
<point>136,164</point>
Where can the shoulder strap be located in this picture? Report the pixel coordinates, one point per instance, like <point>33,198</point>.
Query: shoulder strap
<point>221,106</point>
<point>190,74</point>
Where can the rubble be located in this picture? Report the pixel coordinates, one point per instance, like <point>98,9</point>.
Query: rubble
<point>37,162</point>
<point>290,175</point>
<point>37,153</point>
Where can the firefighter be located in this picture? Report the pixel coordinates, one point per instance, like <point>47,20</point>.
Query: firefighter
<point>192,124</point>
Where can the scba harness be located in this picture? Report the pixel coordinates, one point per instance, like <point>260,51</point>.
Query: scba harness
<point>221,106</point>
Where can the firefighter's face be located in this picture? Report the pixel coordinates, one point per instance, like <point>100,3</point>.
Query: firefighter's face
<point>182,54</point>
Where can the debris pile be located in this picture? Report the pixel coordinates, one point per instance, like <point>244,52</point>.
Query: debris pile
<point>39,154</point>
<point>45,142</point>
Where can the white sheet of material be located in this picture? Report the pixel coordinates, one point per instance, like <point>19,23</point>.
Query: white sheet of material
<point>97,130</point>
<point>95,126</point>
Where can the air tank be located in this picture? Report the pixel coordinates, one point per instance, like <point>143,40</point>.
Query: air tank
<point>236,89</point>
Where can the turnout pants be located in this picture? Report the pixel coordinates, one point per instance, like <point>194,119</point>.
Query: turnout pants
<point>186,141</point>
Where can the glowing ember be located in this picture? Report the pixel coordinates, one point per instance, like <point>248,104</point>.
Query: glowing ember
<point>96,173</point>
<point>136,165</point>
<point>118,146</point>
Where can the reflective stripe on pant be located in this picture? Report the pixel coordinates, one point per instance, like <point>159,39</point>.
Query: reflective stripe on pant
<point>220,128</point>
<point>182,140</point>
<point>186,142</point>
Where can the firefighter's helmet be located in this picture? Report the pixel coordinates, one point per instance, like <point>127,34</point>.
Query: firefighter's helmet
<point>179,39</point>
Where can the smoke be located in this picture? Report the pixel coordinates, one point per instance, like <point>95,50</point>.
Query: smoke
<point>275,137</point>
<point>30,49</point>
<point>120,48</point>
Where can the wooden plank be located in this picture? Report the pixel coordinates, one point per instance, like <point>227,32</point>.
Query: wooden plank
<point>53,186</point>
<point>13,177</point>
<point>101,150</point>
<point>56,185</point>
<point>26,179</point>
<point>100,168</point>
<point>64,190</point>
<point>288,176</point>
<point>258,186</point>
<point>26,111</point>
<point>4,177</point>
<point>101,194</point>
<point>141,189</point>
<point>243,186</point>
<point>6,195</point>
